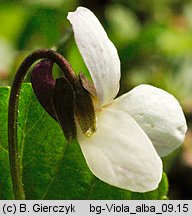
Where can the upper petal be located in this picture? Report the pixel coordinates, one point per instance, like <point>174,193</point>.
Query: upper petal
<point>158,113</point>
<point>121,154</point>
<point>98,52</point>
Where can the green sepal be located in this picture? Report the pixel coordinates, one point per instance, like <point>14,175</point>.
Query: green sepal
<point>84,110</point>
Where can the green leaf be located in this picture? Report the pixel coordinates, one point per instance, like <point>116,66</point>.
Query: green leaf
<point>52,168</point>
<point>5,178</point>
<point>41,144</point>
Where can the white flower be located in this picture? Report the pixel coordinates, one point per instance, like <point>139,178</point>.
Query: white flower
<point>132,130</point>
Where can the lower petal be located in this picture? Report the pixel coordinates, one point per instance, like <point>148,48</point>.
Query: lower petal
<point>158,113</point>
<point>119,153</point>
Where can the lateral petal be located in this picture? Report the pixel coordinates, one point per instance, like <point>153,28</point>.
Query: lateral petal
<point>158,113</point>
<point>98,52</point>
<point>121,154</point>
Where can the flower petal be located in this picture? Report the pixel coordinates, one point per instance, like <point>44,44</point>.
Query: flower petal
<point>98,52</point>
<point>158,113</point>
<point>121,154</point>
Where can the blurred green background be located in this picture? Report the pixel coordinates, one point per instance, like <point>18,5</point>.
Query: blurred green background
<point>153,38</point>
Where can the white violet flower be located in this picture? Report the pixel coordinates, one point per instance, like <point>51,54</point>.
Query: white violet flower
<point>132,130</point>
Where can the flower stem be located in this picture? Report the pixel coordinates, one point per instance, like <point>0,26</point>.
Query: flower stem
<point>15,163</point>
